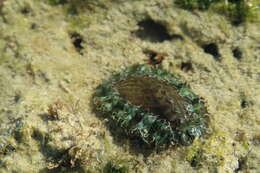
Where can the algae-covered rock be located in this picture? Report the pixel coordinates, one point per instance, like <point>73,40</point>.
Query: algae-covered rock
<point>55,53</point>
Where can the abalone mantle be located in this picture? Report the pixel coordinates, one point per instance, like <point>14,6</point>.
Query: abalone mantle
<point>153,105</point>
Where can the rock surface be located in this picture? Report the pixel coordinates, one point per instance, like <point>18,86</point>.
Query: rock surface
<point>52,57</point>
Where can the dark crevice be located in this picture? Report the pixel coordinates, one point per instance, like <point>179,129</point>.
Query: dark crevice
<point>39,136</point>
<point>7,149</point>
<point>25,10</point>
<point>212,49</point>
<point>18,131</point>
<point>63,170</point>
<point>17,98</point>
<point>237,53</point>
<point>77,41</point>
<point>111,167</point>
<point>244,104</point>
<point>34,26</point>
<point>72,10</point>
<point>149,30</point>
<point>236,22</point>
<point>177,37</point>
<point>186,66</point>
<point>151,54</point>
<point>197,159</point>
<point>155,57</point>
<point>242,164</point>
<point>232,1</point>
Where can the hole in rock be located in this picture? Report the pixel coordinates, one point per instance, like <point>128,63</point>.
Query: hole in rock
<point>186,66</point>
<point>77,41</point>
<point>244,104</point>
<point>242,164</point>
<point>26,10</point>
<point>237,53</point>
<point>212,49</point>
<point>152,31</point>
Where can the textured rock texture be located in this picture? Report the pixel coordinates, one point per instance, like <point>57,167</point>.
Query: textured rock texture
<point>53,56</point>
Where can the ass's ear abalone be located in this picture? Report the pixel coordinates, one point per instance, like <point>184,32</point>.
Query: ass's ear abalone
<point>153,105</point>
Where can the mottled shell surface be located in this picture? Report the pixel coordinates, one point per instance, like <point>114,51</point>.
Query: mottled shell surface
<point>154,96</point>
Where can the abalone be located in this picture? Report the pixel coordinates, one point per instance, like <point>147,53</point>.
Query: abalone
<point>152,104</point>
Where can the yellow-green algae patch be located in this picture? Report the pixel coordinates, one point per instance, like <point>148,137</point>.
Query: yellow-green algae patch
<point>238,11</point>
<point>47,122</point>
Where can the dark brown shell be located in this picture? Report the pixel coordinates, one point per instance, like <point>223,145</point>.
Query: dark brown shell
<point>154,96</point>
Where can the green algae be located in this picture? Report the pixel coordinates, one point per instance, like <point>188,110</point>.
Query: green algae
<point>57,2</point>
<point>238,11</point>
<point>196,4</point>
<point>111,167</point>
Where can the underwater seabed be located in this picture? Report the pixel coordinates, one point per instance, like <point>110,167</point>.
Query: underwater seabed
<point>55,54</point>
